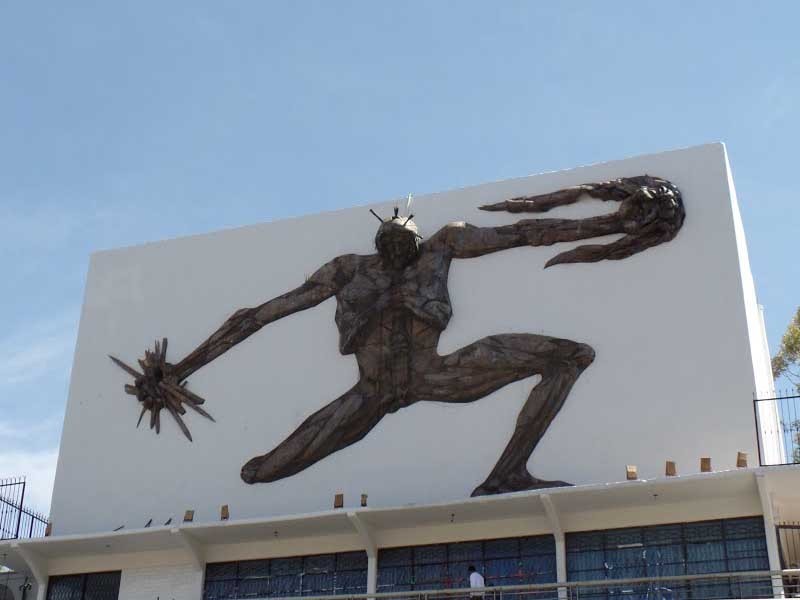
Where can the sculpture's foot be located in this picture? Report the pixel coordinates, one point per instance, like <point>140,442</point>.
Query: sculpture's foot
<point>515,482</point>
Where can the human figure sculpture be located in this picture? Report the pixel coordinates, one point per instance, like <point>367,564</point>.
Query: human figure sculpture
<point>392,307</point>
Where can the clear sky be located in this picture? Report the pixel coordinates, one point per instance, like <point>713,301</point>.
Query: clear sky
<point>126,122</point>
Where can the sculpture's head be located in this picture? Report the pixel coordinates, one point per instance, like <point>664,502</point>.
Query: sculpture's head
<point>397,241</point>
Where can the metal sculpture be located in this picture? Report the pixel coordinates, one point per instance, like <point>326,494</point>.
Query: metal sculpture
<point>392,307</point>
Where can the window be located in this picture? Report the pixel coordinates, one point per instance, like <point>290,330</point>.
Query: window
<point>88,586</point>
<point>508,561</point>
<point>321,574</point>
<point>723,546</point>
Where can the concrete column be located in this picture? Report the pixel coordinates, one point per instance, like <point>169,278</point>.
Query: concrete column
<point>37,566</point>
<point>773,553</point>
<point>368,539</point>
<point>41,589</point>
<point>372,573</point>
<point>561,547</point>
<point>194,549</point>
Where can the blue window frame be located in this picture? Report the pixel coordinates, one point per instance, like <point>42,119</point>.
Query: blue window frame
<point>317,575</point>
<point>507,561</point>
<point>721,546</point>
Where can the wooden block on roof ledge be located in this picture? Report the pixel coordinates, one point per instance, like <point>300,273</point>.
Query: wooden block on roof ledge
<point>741,460</point>
<point>188,516</point>
<point>671,469</point>
<point>363,499</point>
<point>224,513</point>
<point>631,472</point>
<point>338,501</point>
<point>705,465</point>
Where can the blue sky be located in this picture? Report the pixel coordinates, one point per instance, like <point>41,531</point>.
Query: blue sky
<point>126,122</point>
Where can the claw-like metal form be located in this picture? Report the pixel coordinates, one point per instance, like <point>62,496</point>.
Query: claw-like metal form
<point>651,213</point>
<point>157,388</point>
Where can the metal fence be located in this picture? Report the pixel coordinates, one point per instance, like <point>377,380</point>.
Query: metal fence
<point>778,425</point>
<point>789,544</point>
<point>16,521</point>
<point>710,586</point>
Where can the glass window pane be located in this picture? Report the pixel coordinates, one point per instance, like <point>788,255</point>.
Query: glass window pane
<point>623,537</point>
<point>395,557</point>
<point>430,554</point>
<point>346,561</point>
<point>65,587</point>
<point>465,551</point>
<point>743,528</point>
<point>703,531</point>
<point>285,585</point>
<point>591,540</point>
<point>225,570</point>
<point>254,588</point>
<point>351,582</point>
<point>424,574</point>
<point>537,545</point>
<point>321,563</point>
<point>391,577</point>
<point>220,590</point>
<point>102,586</point>
<point>249,569</point>
<point>287,566</point>
<point>501,548</point>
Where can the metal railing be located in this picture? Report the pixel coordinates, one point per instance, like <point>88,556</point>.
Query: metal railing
<point>778,426</point>
<point>709,586</point>
<point>16,521</point>
<point>788,534</point>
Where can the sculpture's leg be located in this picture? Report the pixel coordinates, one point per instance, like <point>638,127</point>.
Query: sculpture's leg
<point>344,421</point>
<point>493,362</point>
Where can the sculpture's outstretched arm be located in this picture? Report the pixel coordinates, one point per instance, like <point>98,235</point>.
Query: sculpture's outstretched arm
<point>323,284</point>
<point>651,213</point>
<point>161,385</point>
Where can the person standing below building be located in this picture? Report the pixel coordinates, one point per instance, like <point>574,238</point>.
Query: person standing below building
<point>475,581</point>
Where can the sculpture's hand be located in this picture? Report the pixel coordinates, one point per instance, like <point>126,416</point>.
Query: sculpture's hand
<point>159,387</point>
<point>651,213</point>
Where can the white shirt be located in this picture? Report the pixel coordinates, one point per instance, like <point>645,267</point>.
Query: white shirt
<point>476,580</point>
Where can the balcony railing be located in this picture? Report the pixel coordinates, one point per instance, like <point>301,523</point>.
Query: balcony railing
<point>709,586</point>
<point>778,426</point>
<point>17,521</point>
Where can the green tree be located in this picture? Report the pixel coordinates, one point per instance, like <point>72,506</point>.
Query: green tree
<point>786,363</point>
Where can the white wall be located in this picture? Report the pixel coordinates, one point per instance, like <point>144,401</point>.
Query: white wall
<point>673,378</point>
<point>166,583</point>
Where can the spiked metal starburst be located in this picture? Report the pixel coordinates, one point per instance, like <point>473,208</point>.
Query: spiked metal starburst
<point>158,388</point>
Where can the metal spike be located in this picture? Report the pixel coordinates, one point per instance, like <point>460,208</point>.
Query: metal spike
<point>141,414</point>
<point>179,421</point>
<point>124,367</point>
<point>376,215</point>
<point>196,408</point>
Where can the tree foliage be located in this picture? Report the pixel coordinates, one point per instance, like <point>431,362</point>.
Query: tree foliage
<point>787,361</point>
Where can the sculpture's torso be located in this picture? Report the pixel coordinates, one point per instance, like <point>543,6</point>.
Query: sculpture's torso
<point>378,305</point>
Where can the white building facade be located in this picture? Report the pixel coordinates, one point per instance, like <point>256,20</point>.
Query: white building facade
<point>679,353</point>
